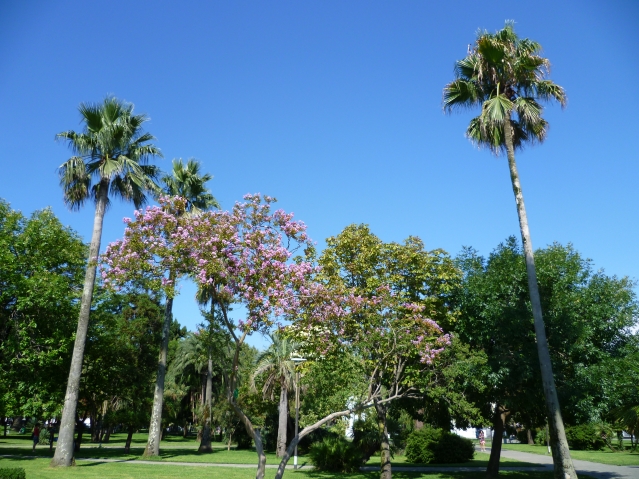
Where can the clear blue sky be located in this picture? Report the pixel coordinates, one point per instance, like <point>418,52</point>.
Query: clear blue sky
<point>334,107</point>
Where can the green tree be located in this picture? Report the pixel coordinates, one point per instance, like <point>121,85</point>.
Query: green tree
<point>414,278</point>
<point>41,269</point>
<point>588,318</point>
<point>110,157</point>
<point>120,359</point>
<point>507,77</point>
<point>276,363</point>
<point>189,184</point>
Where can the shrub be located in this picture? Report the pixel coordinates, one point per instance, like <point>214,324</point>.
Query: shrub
<point>420,443</point>
<point>366,438</point>
<point>335,454</point>
<point>540,437</point>
<point>584,437</point>
<point>317,435</point>
<point>12,473</point>
<point>452,449</point>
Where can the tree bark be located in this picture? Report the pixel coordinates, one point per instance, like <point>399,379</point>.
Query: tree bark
<point>385,456</point>
<point>283,421</point>
<point>530,438</point>
<point>563,466</point>
<point>64,450</point>
<point>499,424</point>
<point>155,428</point>
<point>205,445</point>
<point>257,438</point>
<point>129,436</point>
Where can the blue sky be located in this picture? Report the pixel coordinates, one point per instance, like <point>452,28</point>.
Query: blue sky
<point>334,108</point>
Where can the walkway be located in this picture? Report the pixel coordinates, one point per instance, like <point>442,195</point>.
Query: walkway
<point>594,469</point>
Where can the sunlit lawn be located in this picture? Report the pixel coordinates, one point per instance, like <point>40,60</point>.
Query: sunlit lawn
<point>480,460</point>
<point>625,458</point>
<point>39,469</point>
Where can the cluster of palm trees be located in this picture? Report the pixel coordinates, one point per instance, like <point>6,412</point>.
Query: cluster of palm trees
<point>111,158</point>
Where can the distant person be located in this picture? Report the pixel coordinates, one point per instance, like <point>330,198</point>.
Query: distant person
<point>36,435</point>
<point>482,441</point>
<point>51,436</point>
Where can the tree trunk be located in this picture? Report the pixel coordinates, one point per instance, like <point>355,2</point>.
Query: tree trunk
<point>64,450</point>
<point>530,438</point>
<point>155,428</point>
<point>129,436</point>
<point>257,438</point>
<point>78,440</point>
<point>563,466</point>
<point>205,445</point>
<point>499,422</point>
<point>283,421</point>
<point>385,456</point>
<point>107,435</point>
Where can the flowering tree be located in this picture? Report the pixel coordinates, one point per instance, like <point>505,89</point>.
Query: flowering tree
<point>263,260</point>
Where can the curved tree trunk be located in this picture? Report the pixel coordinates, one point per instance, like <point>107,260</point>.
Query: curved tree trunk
<point>563,466</point>
<point>205,445</point>
<point>499,424</point>
<point>64,450</point>
<point>257,438</point>
<point>155,428</point>
<point>283,421</point>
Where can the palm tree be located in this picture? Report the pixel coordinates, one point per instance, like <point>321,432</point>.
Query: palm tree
<point>110,157</point>
<point>507,77</point>
<point>280,369</point>
<point>188,183</point>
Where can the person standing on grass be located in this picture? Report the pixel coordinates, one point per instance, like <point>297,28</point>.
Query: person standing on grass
<point>482,441</point>
<point>36,435</point>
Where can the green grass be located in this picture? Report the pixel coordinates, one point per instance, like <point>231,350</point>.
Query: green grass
<point>39,469</point>
<point>625,458</point>
<point>480,460</point>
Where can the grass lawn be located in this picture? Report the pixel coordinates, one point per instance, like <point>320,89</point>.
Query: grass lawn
<point>480,460</point>
<point>625,458</point>
<point>39,469</point>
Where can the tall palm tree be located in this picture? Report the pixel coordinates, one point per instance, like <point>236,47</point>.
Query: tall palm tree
<point>111,157</point>
<point>187,182</point>
<point>280,371</point>
<point>508,78</point>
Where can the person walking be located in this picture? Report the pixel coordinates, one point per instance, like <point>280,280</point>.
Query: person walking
<point>36,435</point>
<point>482,441</point>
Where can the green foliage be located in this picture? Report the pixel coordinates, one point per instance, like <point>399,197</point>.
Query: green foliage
<point>588,318</point>
<point>366,436</point>
<point>12,473</point>
<point>421,443</point>
<point>335,454</point>
<point>585,437</point>
<point>41,272</point>
<point>430,445</point>
<point>453,449</point>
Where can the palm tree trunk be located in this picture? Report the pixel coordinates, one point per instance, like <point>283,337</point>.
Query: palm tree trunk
<point>155,428</point>
<point>499,423</point>
<point>205,445</point>
<point>64,450</point>
<point>564,468</point>
<point>283,421</point>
